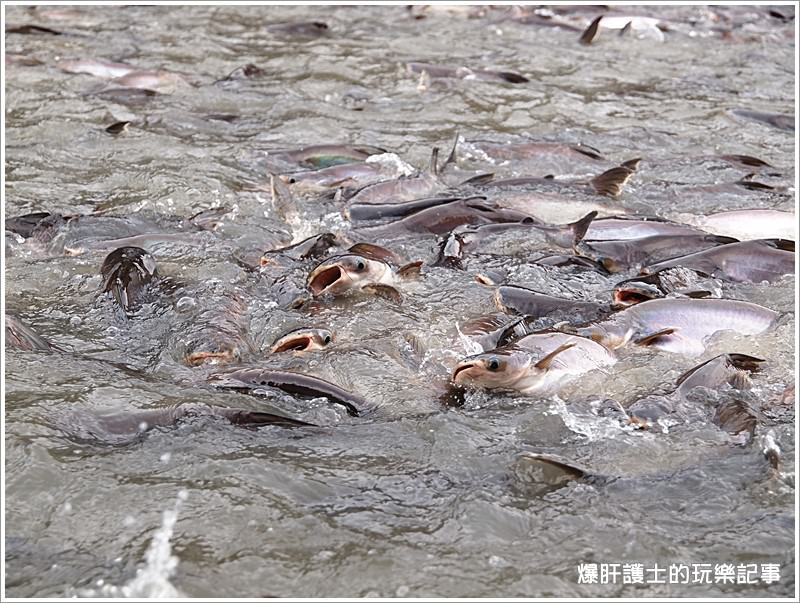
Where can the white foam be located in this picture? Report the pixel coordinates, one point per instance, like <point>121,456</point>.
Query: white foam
<point>393,163</point>
<point>153,579</point>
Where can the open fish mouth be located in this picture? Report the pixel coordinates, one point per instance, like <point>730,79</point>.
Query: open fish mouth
<point>300,343</point>
<point>460,369</point>
<point>200,358</point>
<point>324,279</point>
<point>629,297</point>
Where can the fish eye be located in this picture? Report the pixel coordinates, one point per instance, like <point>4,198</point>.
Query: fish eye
<point>327,339</point>
<point>360,265</point>
<point>493,364</point>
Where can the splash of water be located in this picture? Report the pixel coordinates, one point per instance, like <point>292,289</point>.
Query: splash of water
<point>153,579</point>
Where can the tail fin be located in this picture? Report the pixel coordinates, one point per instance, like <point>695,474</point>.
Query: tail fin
<point>610,182</point>
<point>126,272</point>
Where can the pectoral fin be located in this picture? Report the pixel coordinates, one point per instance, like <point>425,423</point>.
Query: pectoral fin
<point>653,338</point>
<point>384,291</point>
<point>547,361</point>
<point>410,270</point>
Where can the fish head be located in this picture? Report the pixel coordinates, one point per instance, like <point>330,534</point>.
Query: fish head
<point>343,273</point>
<point>633,292</point>
<point>498,369</point>
<point>211,349</point>
<point>303,340</point>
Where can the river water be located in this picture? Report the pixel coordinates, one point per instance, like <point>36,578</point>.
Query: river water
<point>416,499</point>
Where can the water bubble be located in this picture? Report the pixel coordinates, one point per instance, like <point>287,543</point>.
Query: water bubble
<point>402,590</point>
<point>67,507</point>
<point>165,457</point>
<point>185,304</point>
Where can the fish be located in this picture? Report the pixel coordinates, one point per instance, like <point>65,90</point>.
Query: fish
<point>671,281</point>
<point>779,121</point>
<point>724,370</point>
<point>248,71</point>
<point>617,256</point>
<point>349,175</point>
<point>454,246</point>
<point>539,150</point>
<point>40,225</point>
<point>620,228</point>
<point>465,73</point>
<point>127,272</point>
<point>299,29</point>
<point>610,183</point>
<point>547,472</point>
<point>126,96</point>
<point>579,261</point>
<point>514,299</point>
<point>160,81</point>
<point>136,423</point>
<point>118,127</point>
<point>29,29</point>
<point>679,325</point>
<point>366,212</point>
<point>302,339</point>
<point>492,330</point>
<point>21,336</point>
<point>312,247</point>
<point>249,379</point>
<point>326,155</point>
<point>443,218</point>
<point>746,262</point>
<point>218,334</point>
<point>364,266</point>
<point>748,224</point>
<point>406,187</point>
<point>538,363</point>
<point>96,67</point>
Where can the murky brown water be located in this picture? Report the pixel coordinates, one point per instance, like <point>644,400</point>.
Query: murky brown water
<point>416,499</point>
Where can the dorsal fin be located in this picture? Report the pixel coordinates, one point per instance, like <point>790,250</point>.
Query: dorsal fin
<point>410,270</point>
<point>478,179</point>
<point>632,164</point>
<point>434,164</point>
<point>451,158</point>
<point>580,227</point>
<point>590,33</point>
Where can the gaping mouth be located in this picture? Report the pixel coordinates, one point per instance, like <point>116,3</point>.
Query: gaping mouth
<point>629,297</point>
<point>459,370</point>
<point>299,343</point>
<point>198,358</point>
<point>324,279</point>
